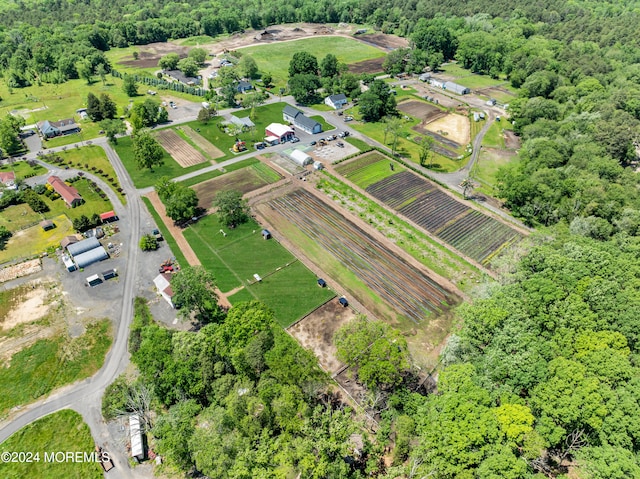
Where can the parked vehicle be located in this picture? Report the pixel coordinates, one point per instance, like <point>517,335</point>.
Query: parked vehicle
<point>313,143</point>
<point>295,139</point>
<point>348,118</point>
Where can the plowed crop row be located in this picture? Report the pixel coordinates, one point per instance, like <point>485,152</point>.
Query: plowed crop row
<point>408,290</point>
<point>471,232</point>
<point>399,189</point>
<point>181,151</point>
<point>348,169</point>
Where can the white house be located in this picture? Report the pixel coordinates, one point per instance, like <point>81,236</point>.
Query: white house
<point>163,285</point>
<point>336,101</point>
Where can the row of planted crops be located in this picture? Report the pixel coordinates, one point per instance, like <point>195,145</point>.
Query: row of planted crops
<point>474,234</point>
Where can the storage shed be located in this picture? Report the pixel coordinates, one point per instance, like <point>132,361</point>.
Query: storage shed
<point>300,158</point>
<point>110,273</point>
<point>89,257</point>
<point>68,240</point>
<point>47,225</point>
<point>108,217</point>
<point>83,246</point>
<point>68,263</point>
<point>94,280</point>
<point>266,234</point>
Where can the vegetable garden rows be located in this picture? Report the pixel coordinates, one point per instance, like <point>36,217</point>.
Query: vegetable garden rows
<point>474,234</point>
<point>181,151</point>
<point>408,290</point>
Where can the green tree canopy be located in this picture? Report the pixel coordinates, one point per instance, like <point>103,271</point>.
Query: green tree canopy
<point>232,209</point>
<point>147,152</point>
<point>194,291</point>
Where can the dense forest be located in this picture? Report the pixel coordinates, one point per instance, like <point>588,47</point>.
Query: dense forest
<point>541,378</point>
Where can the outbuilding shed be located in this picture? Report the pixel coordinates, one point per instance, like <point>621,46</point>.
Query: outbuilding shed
<point>68,263</point>
<point>68,240</point>
<point>89,257</point>
<point>266,234</point>
<point>83,246</point>
<point>47,225</point>
<point>300,158</point>
<point>135,432</point>
<point>94,280</point>
<point>455,88</point>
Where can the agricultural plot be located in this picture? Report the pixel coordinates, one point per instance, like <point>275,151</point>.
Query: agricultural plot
<point>202,143</point>
<point>369,168</point>
<point>409,291</point>
<point>471,232</point>
<point>181,151</point>
<point>421,110</point>
<point>235,255</point>
<point>244,180</point>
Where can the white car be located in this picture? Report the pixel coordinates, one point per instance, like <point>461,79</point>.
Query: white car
<point>295,139</point>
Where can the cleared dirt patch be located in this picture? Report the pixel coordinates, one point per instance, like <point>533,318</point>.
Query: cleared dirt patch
<point>243,180</point>
<point>316,331</point>
<point>382,40</point>
<point>511,140</point>
<point>32,308</point>
<point>424,111</point>
<point>455,127</point>
<point>148,55</point>
<point>202,143</point>
<point>181,151</point>
<point>367,66</point>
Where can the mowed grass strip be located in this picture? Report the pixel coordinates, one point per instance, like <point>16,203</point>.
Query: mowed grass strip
<point>50,363</point>
<point>291,293</point>
<point>59,432</point>
<point>168,237</point>
<point>275,57</point>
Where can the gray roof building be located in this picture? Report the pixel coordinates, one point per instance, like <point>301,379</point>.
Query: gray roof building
<point>83,246</point>
<point>89,257</point>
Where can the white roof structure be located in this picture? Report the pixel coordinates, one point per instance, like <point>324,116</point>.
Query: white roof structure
<point>136,436</point>
<point>300,158</point>
<point>163,285</point>
<point>278,129</point>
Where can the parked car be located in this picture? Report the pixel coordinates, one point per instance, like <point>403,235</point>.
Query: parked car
<point>348,118</point>
<point>343,134</point>
<point>313,143</point>
<point>340,144</point>
<point>331,137</point>
<point>295,139</point>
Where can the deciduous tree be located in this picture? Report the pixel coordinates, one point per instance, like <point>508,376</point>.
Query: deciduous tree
<point>147,152</point>
<point>194,292</point>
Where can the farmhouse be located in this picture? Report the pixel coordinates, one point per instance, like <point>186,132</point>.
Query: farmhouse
<point>49,129</point>
<point>68,193</point>
<point>455,88</point>
<point>296,118</point>
<point>178,76</point>
<point>336,101</point>
<point>300,158</point>
<point>279,132</point>
<point>162,283</point>
<point>243,86</point>
<point>8,179</point>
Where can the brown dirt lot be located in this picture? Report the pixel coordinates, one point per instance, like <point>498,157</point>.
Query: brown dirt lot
<point>455,127</point>
<point>243,180</point>
<point>148,55</point>
<point>422,110</point>
<point>384,41</point>
<point>181,151</point>
<point>511,140</point>
<point>316,331</point>
<point>367,66</point>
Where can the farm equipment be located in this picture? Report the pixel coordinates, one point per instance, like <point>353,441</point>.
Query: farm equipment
<point>239,146</point>
<point>166,266</point>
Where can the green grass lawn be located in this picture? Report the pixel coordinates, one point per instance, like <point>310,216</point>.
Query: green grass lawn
<point>486,167</point>
<point>288,303</point>
<point>56,102</point>
<point>34,240</point>
<point>146,177</point>
<point>22,169</point>
<point>168,238</point>
<point>195,41</point>
<point>274,58</point>
<point>59,432</point>
<point>88,157</point>
<point>494,137</point>
<point>287,286</point>
<point>51,363</point>
<point>468,78</point>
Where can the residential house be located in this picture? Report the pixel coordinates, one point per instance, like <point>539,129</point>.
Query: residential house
<point>8,179</point>
<point>68,193</point>
<point>177,75</point>
<point>49,129</point>
<point>243,86</point>
<point>299,120</point>
<point>336,101</point>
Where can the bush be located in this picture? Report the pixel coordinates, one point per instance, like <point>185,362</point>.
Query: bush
<point>148,243</point>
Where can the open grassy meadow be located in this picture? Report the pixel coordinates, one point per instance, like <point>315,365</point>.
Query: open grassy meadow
<point>369,169</point>
<point>274,58</point>
<point>57,102</point>
<point>287,286</point>
<point>61,431</point>
<point>50,363</point>
<point>22,169</point>
<point>34,240</point>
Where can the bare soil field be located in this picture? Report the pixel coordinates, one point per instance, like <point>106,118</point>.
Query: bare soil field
<point>202,143</point>
<point>244,180</point>
<point>455,127</point>
<point>511,140</point>
<point>367,66</point>
<point>316,331</point>
<point>382,40</point>
<point>426,112</point>
<point>148,55</point>
<point>181,151</point>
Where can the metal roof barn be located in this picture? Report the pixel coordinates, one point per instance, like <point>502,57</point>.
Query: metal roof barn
<point>89,257</point>
<point>83,246</point>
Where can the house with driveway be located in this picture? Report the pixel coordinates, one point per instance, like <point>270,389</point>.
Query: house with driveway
<point>50,129</point>
<point>336,101</point>
<point>299,120</point>
<point>68,193</point>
